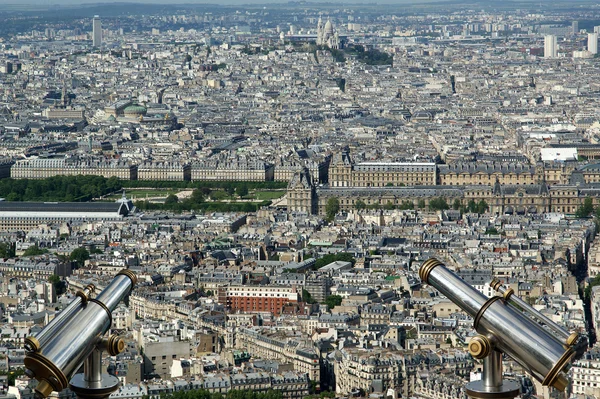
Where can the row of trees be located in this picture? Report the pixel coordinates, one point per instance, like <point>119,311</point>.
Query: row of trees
<point>58,188</point>
<point>225,185</point>
<point>190,205</point>
<point>435,204</point>
<point>85,188</point>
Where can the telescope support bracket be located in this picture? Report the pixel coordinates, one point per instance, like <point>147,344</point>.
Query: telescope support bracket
<point>92,383</point>
<point>491,385</point>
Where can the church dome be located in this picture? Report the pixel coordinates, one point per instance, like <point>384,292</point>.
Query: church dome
<point>329,27</point>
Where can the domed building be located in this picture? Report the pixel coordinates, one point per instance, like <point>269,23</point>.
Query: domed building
<point>134,111</point>
<point>326,35</point>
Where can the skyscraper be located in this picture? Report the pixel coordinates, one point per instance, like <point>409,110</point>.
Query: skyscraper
<point>575,27</point>
<point>550,46</point>
<point>97,31</point>
<point>592,43</point>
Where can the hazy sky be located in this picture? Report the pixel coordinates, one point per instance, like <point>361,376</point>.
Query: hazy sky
<point>45,4</point>
<point>228,2</point>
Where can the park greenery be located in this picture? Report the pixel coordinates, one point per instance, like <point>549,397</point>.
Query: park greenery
<point>60,286</point>
<point>225,185</point>
<point>79,256</point>
<point>197,202</point>
<point>58,188</point>
<point>438,204</point>
<point>586,209</point>
<point>369,57</point>
<point>357,51</point>
<point>330,258</point>
<point>476,207</point>
<point>332,301</point>
<point>34,250</point>
<point>307,297</point>
<point>85,188</point>
<point>7,250</point>
<point>332,208</point>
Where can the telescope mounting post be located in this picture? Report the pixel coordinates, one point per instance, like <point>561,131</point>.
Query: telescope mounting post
<point>92,383</point>
<point>491,385</point>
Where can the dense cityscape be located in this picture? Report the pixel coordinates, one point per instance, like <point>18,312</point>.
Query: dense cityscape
<point>276,176</point>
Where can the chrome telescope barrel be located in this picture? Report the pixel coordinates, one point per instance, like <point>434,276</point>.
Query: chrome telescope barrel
<point>56,361</point>
<point>524,340</point>
<point>513,300</point>
<point>34,343</point>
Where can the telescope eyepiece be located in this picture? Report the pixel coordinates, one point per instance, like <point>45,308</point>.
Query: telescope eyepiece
<point>427,267</point>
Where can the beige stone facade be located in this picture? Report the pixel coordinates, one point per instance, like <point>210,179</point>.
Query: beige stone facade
<point>279,348</point>
<point>164,171</point>
<point>343,172</point>
<point>42,168</point>
<point>232,171</point>
<point>501,199</point>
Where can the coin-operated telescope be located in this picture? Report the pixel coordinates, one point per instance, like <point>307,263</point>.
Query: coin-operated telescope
<point>76,336</point>
<point>506,324</point>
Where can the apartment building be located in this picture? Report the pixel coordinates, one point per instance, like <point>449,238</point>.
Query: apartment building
<point>259,344</point>
<point>257,298</point>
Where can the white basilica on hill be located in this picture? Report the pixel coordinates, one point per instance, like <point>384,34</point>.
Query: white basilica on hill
<point>326,36</point>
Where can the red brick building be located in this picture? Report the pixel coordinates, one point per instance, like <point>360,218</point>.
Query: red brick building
<point>257,298</point>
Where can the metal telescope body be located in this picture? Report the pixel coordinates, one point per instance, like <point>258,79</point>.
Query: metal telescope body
<point>506,324</point>
<point>76,336</point>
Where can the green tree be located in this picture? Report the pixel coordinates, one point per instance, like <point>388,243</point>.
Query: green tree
<point>242,190</point>
<point>230,189</point>
<point>171,199</point>
<point>593,283</point>
<point>482,207</point>
<point>218,195</point>
<point>332,208</point>
<point>491,230</point>
<point>407,205</point>
<point>58,284</point>
<point>34,250</point>
<point>307,297</point>
<point>197,196</point>
<point>585,209</point>
<point>360,205</point>
<point>333,300</point>
<point>421,204</point>
<point>438,204</point>
<point>456,204</point>
<point>80,255</point>
<point>7,250</point>
<point>389,205</point>
<point>472,206</point>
